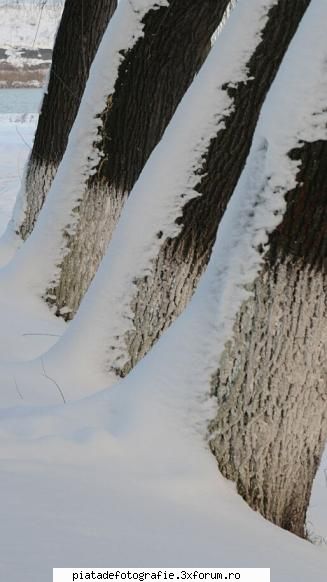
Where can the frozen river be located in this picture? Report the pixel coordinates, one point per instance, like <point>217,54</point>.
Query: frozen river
<point>20,100</point>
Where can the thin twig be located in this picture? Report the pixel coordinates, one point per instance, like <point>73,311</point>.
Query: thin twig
<point>22,138</point>
<point>38,25</point>
<point>53,71</point>
<point>42,334</point>
<point>83,46</point>
<point>72,93</point>
<point>17,389</point>
<point>53,381</point>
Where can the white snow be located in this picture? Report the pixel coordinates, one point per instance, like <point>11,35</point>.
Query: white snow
<point>123,477</point>
<point>23,335</point>
<point>16,140</point>
<point>26,25</point>
<point>111,482</point>
<point>317,514</point>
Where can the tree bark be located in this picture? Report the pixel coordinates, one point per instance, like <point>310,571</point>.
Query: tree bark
<point>271,426</point>
<point>152,79</point>
<point>79,34</point>
<point>164,293</point>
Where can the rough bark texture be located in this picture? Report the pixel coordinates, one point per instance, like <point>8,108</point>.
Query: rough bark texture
<point>152,79</point>
<point>81,29</point>
<point>163,295</point>
<point>271,426</point>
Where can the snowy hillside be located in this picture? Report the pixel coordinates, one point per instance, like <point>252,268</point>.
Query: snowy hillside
<point>27,32</point>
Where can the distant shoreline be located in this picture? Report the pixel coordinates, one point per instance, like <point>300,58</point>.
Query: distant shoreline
<point>27,32</point>
<point>24,68</point>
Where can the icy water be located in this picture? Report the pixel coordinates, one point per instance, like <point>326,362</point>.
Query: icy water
<point>20,100</point>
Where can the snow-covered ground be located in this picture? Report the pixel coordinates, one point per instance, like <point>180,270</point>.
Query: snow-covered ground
<point>16,139</point>
<point>26,24</point>
<point>16,135</point>
<point>27,32</point>
<point>110,481</point>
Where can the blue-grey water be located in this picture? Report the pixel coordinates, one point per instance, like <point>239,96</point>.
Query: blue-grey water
<point>20,100</point>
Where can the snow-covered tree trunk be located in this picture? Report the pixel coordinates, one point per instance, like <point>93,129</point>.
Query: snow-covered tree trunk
<point>271,426</point>
<point>103,330</point>
<point>82,206</point>
<point>164,293</point>
<point>78,37</point>
<point>152,78</point>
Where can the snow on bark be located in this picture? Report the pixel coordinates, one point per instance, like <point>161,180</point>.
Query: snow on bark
<point>155,71</point>
<point>163,294</point>
<point>271,426</point>
<point>231,5</point>
<point>98,333</point>
<point>38,177</point>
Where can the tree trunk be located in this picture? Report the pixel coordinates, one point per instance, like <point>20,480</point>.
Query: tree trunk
<point>271,426</point>
<point>164,293</point>
<point>78,37</point>
<point>152,78</point>
<point>102,332</point>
